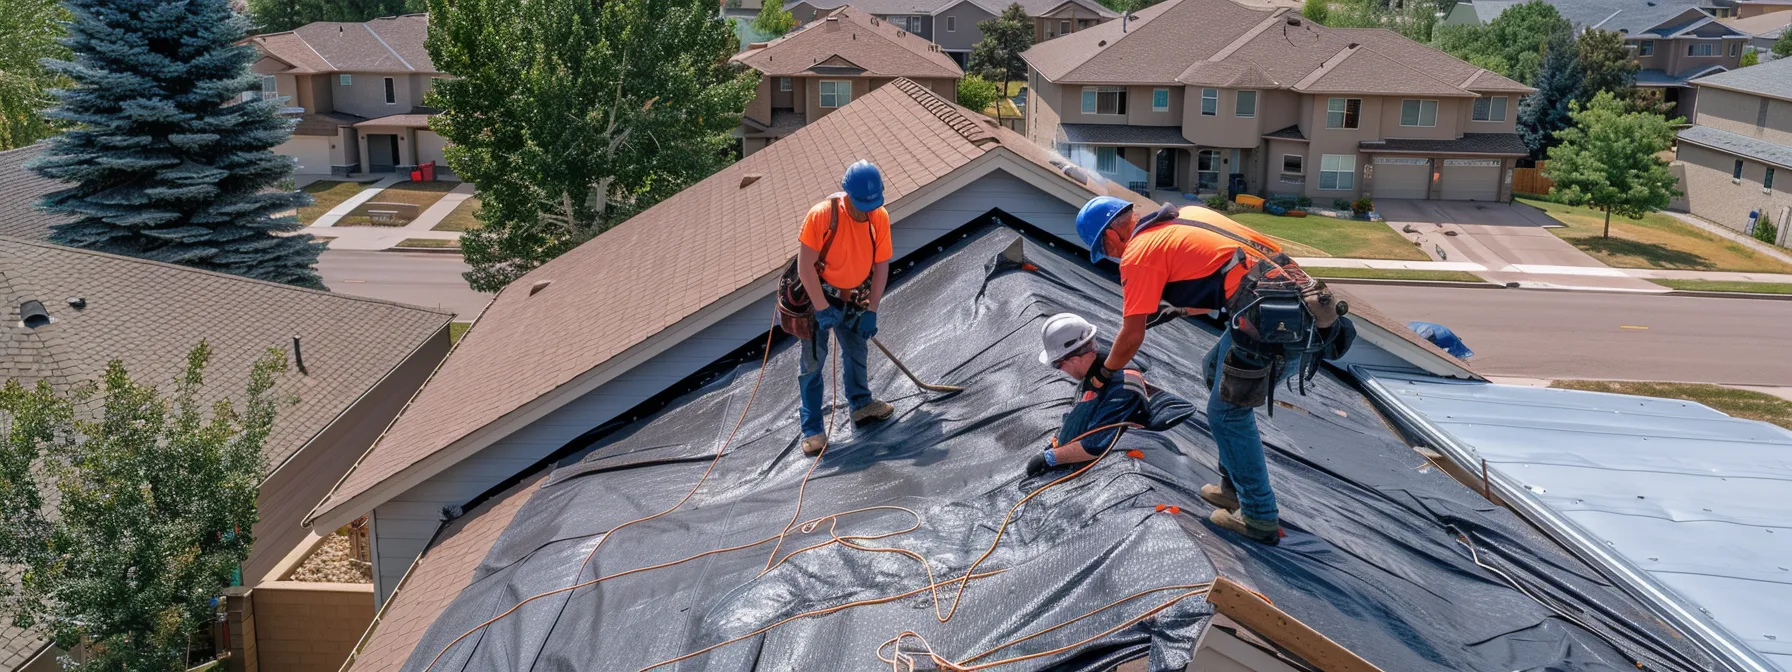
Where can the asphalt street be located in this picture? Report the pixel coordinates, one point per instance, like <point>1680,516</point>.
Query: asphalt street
<point>417,278</point>
<point>1604,335</point>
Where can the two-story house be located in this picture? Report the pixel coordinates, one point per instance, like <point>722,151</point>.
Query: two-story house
<point>952,24</point>
<point>832,61</point>
<point>1211,95</point>
<point>358,91</point>
<point>1675,44</point>
<point>1738,153</point>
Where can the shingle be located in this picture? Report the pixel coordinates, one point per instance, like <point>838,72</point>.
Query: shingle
<point>1773,78</point>
<point>1739,145</point>
<point>1470,143</point>
<point>871,44</point>
<point>390,44</point>
<point>19,191</point>
<point>1114,134</point>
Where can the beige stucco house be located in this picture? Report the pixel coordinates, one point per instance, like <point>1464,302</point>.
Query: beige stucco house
<point>952,24</point>
<point>1203,96</point>
<point>829,62</point>
<point>357,89</point>
<point>1737,156</point>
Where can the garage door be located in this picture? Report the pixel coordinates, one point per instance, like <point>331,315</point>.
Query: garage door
<point>311,151</point>
<point>1471,179</point>
<point>1402,177</point>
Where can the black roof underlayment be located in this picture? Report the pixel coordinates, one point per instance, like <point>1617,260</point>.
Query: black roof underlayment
<point>1377,556</point>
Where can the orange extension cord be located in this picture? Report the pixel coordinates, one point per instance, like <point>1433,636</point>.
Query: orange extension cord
<point>773,561</point>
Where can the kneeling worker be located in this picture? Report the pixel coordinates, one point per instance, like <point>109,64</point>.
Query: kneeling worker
<point>1071,347</point>
<point>1197,260</point>
<point>844,262</point>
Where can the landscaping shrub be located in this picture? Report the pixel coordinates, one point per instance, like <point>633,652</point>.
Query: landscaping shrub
<point>1340,204</point>
<point>1765,231</point>
<point>1362,206</point>
<point>1304,202</point>
<point>1217,202</point>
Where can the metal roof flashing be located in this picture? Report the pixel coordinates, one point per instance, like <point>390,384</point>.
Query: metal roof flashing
<point>1428,408</point>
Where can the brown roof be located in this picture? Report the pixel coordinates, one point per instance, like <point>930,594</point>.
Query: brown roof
<point>18,645</point>
<point>1226,44</point>
<point>390,44</point>
<point>858,39</point>
<point>438,576</point>
<point>401,120</point>
<point>528,344</point>
<point>325,123</point>
<point>19,191</point>
<point>149,314</point>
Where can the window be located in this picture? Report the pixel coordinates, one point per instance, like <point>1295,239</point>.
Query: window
<point>1646,48</point>
<point>391,92</point>
<point>1490,109</point>
<point>1063,27</point>
<point>1160,100</point>
<point>835,93</point>
<point>1761,114</point>
<point>345,80</point>
<point>1767,180</point>
<point>1337,172</point>
<point>1210,102</point>
<point>951,24</point>
<point>1104,100</point>
<point>269,87</point>
<point>1418,113</point>
<point>1736,172</point>
<point>783,83</point>
<point>1207,169</point>
<point>1293,164</point>
<point>1246,105</point>
<point>1735,49</point>
<point>1342,112</point>
<point>1107,159</point>
<point>1701,49</point>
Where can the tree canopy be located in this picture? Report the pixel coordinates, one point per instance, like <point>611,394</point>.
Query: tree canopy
<point>773,19</point>
<point>1511,44</point>
<point>572,116</point>
<point>169,153</point>
<point>1782,47</point>
<point>1608,159</point>
<point>977,93</point>
<point>997,56</point>
<point>155,500</point>
<point>30,30</point>
<point>1559,83</point>
<point>1416,19</point>
<point>1315,10</point>
<point>1606,65</point>
<point>272,16</point>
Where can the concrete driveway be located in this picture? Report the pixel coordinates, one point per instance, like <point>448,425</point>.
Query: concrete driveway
<point>1512,240</point>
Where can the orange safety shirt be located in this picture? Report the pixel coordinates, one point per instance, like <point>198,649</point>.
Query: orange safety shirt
<point>1186,266</point>
<point>855,249</point>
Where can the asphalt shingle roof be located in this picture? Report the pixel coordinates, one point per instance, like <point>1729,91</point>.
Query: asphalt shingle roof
<point>855,36</point>
<point>1470,143</point>
<point>1772,79</point>
<point>390,44</point>
<point>1116,134</point>
<point>1739,145</point>
<point>888,7</point>
<point>19,191</point>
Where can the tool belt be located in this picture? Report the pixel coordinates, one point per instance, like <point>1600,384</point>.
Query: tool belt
<point>796,310</point>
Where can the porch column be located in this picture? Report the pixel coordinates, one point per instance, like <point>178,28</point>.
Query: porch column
<point>1151,170</point>
<point>366,159</point>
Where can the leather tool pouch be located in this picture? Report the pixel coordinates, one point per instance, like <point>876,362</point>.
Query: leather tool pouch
<point>1241,385</point>
<point>796,311</point>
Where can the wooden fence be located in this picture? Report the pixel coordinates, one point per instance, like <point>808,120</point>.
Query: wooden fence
<point>1531,180</point>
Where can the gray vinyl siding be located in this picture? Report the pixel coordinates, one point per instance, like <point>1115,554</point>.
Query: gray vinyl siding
<point>404,525</point>
<point>967,35</point>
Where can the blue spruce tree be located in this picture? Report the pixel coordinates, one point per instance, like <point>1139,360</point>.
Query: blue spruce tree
<point>165,158</point>
<point>1543,113</point>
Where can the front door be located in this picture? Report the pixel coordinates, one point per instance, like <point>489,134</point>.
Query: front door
<point>382,152</point>
<point>1166,169</point>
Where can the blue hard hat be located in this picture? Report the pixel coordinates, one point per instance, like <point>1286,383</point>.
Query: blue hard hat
<point>1094,219</point>
<point>864,185</point>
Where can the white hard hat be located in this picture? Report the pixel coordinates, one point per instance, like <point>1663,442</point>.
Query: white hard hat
<point>1063,334</point>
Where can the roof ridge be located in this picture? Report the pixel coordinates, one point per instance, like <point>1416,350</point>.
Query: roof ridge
<point>1275,16</point>
<point>389,49</point>
<point>945,111</point>
<point>189,269</point>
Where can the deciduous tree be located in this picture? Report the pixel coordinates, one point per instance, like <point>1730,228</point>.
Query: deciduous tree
<point>1750,57</point>
<point>1315,10</point>
<point>272,16</point>
<point>29,29</point>
<point>1415,19</point>
<point>976,92</point>
<point>572,116</point>
<point>1608,161</point>
<point>997,56</point>
<point>155,497</point>
<point>773,19</point>
<point>1511,44</point>
<point>1782,47</point>
<point>1606,65</point>
<point>166,158</point>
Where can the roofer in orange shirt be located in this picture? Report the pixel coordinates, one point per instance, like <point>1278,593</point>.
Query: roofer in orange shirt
<point>845,259</point>
<point>1279,322</point>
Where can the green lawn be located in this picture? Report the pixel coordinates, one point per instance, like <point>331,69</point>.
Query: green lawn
<point>457,329</point>
<point>1734,402</point>
<point>1655,241</point>
<point>327,194</point>
<point>428,242</point>
<point>1327,237</point>
<point>1725,286</point>
<point>420,194</point>
<point>463,217</point>
<point>1391,274</point>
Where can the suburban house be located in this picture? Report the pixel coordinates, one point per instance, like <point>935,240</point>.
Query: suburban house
<point>357,90</point>
<point>1748,8</point>
<point>826,64</point>
<point>353,363</point>
<point>952,24</point>
<point>569,408</point>
<point>1762,31</point>
<point>1738,152</point>
<point>1205,96</point>
<point>1582,12</point>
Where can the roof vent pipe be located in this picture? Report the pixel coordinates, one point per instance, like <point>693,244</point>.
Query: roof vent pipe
<point>33,315</point>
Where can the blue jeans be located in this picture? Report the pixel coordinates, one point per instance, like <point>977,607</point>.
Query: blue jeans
<point>812,374</point>
<point>1235,430</point>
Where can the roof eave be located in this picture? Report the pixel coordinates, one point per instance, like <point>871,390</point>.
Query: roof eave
<point>1731,152</point>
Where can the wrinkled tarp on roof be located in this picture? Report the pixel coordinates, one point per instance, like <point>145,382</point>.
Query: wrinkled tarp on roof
<point>1374,557</point>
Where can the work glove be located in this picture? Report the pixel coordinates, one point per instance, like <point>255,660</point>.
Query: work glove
<point>1165,314</point>
<point>1320,302</point>
<point>1040,463</point>
<point>1099,377</point>
<point>829,318</point>
<point>866,325</point>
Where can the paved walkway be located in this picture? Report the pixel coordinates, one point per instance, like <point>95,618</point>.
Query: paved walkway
<point>342,209</point>
<point>388,237</point>
<point>1511,242</point>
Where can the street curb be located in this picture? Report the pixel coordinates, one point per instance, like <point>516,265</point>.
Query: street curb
<point>1387,282</point>
<point>1488,285</point>
<point>1730,295</point>
<point>424,250</point>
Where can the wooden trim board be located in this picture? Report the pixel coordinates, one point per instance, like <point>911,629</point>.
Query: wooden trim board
<point>1261,617</point>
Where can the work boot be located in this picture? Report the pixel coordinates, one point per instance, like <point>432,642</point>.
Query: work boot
<point>1221,496</point>
<point>873,411</point>
<point>813,445</point>
<point>1267,532</point>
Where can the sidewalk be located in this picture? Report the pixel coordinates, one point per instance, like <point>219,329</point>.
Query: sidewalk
<point>1535,271</point>
<point>387,237</point>
<point>342,209</point>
